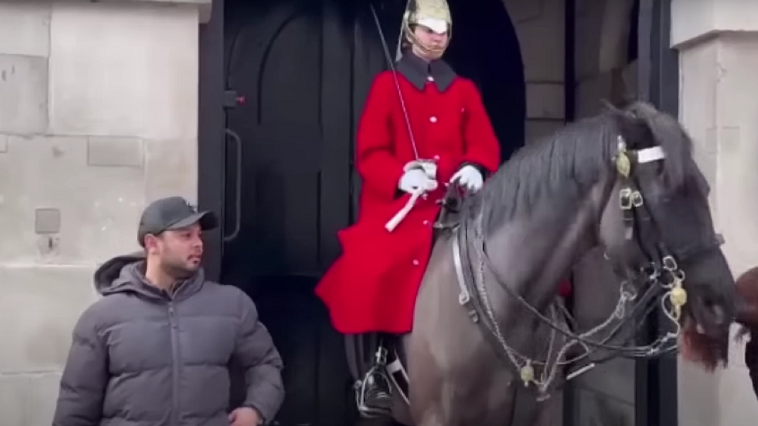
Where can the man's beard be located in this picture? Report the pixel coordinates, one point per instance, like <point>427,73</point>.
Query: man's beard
<point>178,271</point>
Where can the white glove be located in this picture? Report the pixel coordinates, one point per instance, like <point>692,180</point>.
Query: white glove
<point>469,177</point>
<point>414,179</point>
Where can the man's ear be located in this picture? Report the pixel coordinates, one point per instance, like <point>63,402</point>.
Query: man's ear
<point>151,243</point>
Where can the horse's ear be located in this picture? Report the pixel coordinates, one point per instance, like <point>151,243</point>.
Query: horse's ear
<point>634,130</point>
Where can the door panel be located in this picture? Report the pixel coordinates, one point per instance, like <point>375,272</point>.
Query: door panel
<point>291,62</point>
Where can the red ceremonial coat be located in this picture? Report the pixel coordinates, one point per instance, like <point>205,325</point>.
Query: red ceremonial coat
<point>372,287</point>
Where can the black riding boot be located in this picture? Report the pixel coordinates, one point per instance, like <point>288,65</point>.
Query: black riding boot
<point>375,390</point>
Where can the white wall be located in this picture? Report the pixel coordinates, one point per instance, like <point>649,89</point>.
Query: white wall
<point>98,115</point>
<point>718,58</point>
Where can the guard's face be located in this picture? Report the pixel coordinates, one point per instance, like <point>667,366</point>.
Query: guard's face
<point>434,42</point>
<point>178,251</point>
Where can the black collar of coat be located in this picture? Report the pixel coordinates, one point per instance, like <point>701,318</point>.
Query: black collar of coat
<point>417,71</point>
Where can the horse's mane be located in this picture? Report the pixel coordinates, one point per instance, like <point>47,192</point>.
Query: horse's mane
<point>571,160</point>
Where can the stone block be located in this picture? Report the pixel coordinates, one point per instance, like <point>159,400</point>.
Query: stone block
<point>545,101</point>
<point>541,42</point>
<point>47,221</point>
<point>697,395</point>
<point>697,110</point>
<point>23,94</point>
<point>114,152</point>
<point>736,398</point>
<point>14,399</point>
<point>727,75</point>
<point>204,7</point>
<point>25,28</point>
<point>37,336</point>
<point>137,78</point>
<point>43,396</point>
<point>99,206</point>
<point>171,169</point>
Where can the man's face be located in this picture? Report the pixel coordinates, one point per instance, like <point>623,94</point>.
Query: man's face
<point>177,251</point>
<point>434,41</point>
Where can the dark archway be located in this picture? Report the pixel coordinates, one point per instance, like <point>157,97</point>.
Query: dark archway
<point>485,48</point>
<point>304,68</point>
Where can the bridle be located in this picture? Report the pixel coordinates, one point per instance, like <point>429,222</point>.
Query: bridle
<point>659,277</point>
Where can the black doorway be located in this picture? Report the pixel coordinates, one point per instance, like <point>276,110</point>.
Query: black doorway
<point>303,68</point>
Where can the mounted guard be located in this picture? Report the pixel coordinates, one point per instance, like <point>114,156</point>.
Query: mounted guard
<point>423,128</point>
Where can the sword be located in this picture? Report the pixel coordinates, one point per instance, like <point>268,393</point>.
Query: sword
<point>391,64</point>
<point>399,216</point>
<point>428,167</point>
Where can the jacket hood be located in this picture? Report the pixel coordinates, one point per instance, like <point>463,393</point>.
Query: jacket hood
<point>127,274</point>
<point>120,273</point>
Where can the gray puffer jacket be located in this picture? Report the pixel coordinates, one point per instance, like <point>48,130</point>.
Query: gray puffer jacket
<point>142,357</point>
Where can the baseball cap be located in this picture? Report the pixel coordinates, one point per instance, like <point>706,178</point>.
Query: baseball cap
<point>171,213</point>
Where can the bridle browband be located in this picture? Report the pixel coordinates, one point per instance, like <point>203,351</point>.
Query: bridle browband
<point>660,277</point>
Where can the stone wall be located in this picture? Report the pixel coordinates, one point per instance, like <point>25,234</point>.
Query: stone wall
<point>98,115</point>
<point>718,56</point>
<point>540,27</point>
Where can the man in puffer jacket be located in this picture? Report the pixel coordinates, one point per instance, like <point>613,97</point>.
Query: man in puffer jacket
<point>155,349</point>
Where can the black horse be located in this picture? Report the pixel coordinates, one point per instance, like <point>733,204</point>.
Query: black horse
<point>491,339</point>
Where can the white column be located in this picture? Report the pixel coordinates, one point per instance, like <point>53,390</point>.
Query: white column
<point>718,50</point>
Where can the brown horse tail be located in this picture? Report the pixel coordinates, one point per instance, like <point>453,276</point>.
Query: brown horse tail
<point>747,317</point>
<point>747,303</point>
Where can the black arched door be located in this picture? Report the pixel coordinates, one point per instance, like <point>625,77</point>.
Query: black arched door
<point>292,62</point>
